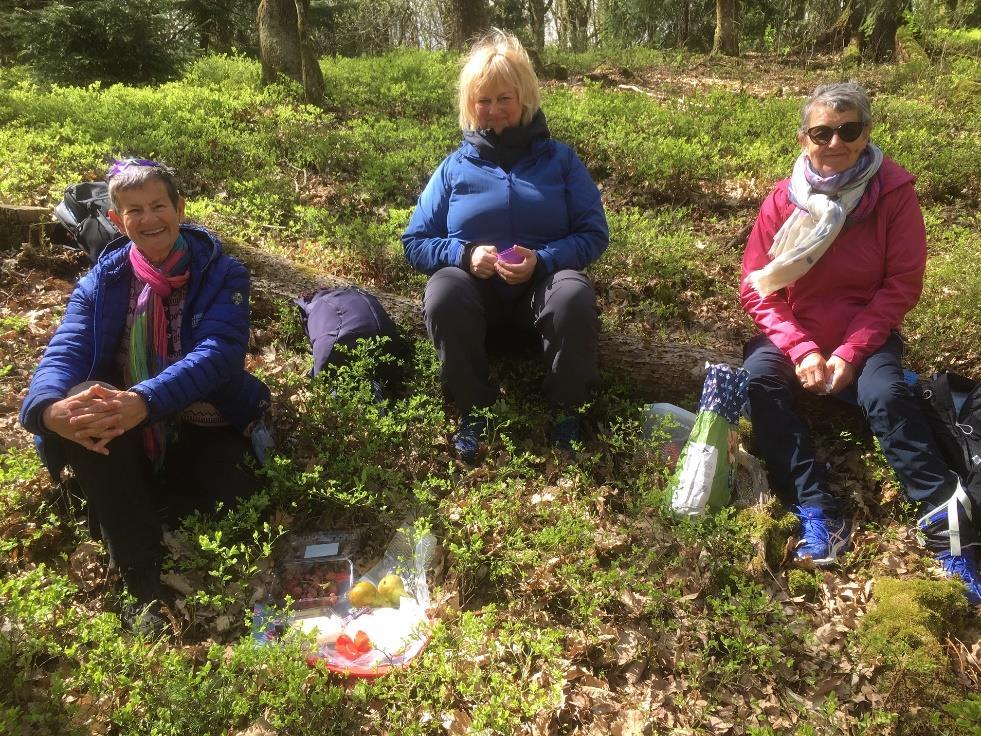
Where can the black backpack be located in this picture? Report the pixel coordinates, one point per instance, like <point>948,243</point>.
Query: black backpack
<point>85,214</point>
<point>952,406</point>
<point>957,429</point>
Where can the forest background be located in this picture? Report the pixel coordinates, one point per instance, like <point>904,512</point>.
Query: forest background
<point>568,599</point>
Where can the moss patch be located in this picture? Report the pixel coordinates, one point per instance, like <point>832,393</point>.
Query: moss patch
<point>905,633</point>
<point>803,583</point>
<point>769,529</point>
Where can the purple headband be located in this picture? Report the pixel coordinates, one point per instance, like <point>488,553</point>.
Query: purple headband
<point>118,167</point>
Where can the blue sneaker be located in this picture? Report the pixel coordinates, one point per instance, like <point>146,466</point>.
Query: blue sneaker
<point>823,538</point>
<point>565,432</point>
<point>965,567</point>
<point>467,437</point>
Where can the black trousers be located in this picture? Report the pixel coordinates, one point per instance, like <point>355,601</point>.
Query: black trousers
<point>560,308</point>
<point>129,502</point>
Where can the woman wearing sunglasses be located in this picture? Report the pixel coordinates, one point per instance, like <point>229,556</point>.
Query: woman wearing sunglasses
<point>834,262</point>
<point>143,389</point>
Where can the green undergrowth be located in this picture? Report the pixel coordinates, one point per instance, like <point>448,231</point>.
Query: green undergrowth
<point>558,580</point>
<point>906,632</point>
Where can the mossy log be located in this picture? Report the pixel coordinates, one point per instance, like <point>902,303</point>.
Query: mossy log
<point>660,369</point>
<point>16,223</point>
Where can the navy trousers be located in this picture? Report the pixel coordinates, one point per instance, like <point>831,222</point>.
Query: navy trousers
<point>128,502</point>
<point>560,308</point>
<point>890,408</point>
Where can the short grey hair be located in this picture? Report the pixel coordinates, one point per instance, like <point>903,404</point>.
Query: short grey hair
<point>135,176</point>
<point>840,97</point>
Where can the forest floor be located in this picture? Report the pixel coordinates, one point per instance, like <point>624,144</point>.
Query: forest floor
<point>568,600</point>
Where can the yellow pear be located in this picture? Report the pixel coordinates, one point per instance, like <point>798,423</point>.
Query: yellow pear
<point>391,589</point>
<point>364,594</point>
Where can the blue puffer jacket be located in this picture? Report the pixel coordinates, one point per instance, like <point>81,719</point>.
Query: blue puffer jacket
<point>547,202</point>
<point>215,333</point>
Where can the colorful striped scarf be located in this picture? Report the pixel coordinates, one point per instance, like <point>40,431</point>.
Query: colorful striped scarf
<point>148,334</point>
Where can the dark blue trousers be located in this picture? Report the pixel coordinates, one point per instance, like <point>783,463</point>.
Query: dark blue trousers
<point>890,408</point>
<point>560,308</point>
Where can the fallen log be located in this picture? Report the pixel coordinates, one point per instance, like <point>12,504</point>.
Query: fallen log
<point>16,223</point>
<point>660,369</point>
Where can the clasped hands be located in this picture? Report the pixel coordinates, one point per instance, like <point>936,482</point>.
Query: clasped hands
<point>95,416</point>
<point>484,263</point>
<point>820,376</point>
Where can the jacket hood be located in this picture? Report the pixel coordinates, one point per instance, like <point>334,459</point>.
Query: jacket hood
<point>892,175</point>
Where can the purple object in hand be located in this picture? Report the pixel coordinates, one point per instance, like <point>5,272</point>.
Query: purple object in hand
<point>510,256</point>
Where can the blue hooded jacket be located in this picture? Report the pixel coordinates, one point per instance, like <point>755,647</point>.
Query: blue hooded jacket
<point>214,332</point>
<point>547,202</point>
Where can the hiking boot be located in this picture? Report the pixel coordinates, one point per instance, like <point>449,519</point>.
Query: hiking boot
<point>965,567</point>
<point>822,539</point>
<point>467,437</point>
<point>565,432</point>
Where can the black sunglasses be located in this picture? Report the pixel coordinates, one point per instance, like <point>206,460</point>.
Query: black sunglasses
<point>822,134</point>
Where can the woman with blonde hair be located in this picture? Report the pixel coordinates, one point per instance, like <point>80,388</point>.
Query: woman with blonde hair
<point>504,228</point>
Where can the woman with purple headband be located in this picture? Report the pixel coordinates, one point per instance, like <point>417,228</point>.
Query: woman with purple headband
<point>143,389</point>
<point>833,264</point>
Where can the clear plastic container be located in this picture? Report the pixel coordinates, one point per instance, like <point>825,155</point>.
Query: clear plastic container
<point>317,570</point>
<point>673,421</point>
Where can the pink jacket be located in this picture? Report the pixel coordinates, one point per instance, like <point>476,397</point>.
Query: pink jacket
<point>859,290</point>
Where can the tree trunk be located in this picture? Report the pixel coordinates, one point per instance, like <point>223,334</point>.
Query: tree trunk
<point>279,41</point>
<point>468,20</point>
<point>312,76</point>
<point>574,25</point>
<point>537,11</point>
<point>726,30</point>
<point>285,47</point>
<point>879,41</point>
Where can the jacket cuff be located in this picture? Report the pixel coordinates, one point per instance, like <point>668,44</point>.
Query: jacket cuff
<point>848,354</point>
<point>801,349</point>
<point>467,255</point>
<point>33,420</point>
<point>147,397</point>
<point>544,265</point>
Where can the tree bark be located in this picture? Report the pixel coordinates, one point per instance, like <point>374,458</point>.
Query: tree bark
<point>468,20</point>
<point>726,40</point>
<point>279,41</point>
<point>312,76</point>
<point>574,25</point>
<point>879,41</point>
<point>285,46</point>
<point>17,221</point>
<point>537,11</point>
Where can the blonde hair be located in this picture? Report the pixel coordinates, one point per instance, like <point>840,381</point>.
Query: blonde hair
<point>497,59</point>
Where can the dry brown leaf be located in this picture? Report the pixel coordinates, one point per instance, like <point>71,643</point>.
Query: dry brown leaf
<point>456,723</point>
<point>178,582</point>
<point>260,728</point>
<point>629,723</point>
<point>86,566</point>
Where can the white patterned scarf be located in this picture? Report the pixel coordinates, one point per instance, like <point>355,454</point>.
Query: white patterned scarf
<point>822,206</point>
